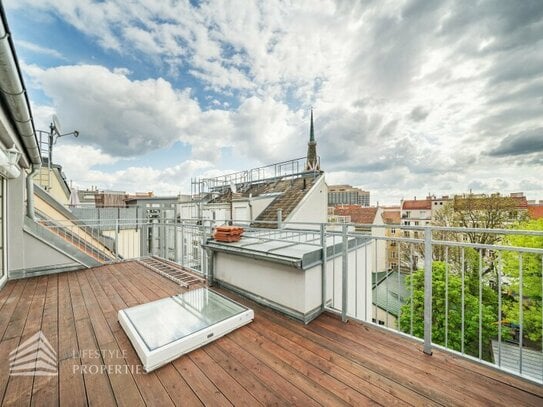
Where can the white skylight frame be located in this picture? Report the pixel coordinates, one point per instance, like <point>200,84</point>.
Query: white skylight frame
<point>155,351</point>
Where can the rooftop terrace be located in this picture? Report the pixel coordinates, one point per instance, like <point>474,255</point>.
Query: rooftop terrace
<point>273,360</point>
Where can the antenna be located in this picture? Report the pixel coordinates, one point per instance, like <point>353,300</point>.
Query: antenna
<point>56,125</point>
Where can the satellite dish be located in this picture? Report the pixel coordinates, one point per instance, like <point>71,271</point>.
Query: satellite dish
<point>56,124</point>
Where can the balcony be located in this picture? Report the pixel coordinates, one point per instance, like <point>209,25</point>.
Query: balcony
<point>273,360</point>
<point>433,349</point>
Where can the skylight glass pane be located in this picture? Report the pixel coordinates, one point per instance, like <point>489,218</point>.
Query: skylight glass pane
<point>170,319</point>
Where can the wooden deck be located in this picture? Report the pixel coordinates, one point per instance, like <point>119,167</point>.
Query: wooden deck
<point>272,361</point>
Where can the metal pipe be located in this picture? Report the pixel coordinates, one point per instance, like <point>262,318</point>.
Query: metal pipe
<point>14,92</point>
<point>30,191</point>
<point>428,291</point>
<point>344,275</point>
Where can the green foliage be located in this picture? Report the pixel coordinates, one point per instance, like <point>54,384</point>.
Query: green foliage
<point>531,278</point>
<point>450,323</point>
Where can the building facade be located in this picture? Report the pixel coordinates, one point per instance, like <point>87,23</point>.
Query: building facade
<point>347,195</point>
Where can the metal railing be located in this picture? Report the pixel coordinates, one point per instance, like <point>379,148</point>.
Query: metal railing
<point>475,292</point>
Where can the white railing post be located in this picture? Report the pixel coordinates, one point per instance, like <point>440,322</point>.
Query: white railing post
<point>344,274</point>
<point>323,269</point>
<point>116,239</point>
<point>428,290</point>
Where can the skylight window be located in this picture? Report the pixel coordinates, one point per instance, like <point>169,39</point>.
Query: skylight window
<point>163,330</point>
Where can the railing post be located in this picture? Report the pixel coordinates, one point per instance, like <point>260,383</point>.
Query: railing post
<point>428,290</point>
<point>182,241</point>
<point>175,245</point>
<point>344,274</point>
<point>279,218</point>
<point>116,239</point>
<point>323,269</point>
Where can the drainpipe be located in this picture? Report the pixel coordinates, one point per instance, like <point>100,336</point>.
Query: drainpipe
<point>14,92</point>
<point>30,191</point>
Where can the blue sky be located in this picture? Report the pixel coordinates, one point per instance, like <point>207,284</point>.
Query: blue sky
<point>410,97</point>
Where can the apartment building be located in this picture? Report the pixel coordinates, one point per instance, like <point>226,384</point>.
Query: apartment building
<point>347,195</point>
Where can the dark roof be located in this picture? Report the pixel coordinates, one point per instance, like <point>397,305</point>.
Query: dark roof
<point>293,193</point>
<point>390,292</point>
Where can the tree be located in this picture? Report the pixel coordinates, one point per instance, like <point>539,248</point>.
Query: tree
<point>532,270</point>
<point>480,211</point>
<point>450,323</point>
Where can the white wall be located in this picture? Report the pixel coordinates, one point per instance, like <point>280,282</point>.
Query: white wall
<point>359,299</point>
<point>312,208</point>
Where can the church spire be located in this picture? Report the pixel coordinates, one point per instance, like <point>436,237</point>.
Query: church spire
<point>311,131</point>
<point>312,163</point>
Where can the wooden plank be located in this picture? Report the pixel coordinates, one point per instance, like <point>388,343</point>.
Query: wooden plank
<point>45,388</point>
<point>229,387</point>
<point>5,292</point>
<point>10,304</point>
<point>71,385</point>
<point>97,385</point>
<point>309,379</point>
<point>149,385</point>
<point>319,360</point>
<point>469,383</point>
<point>5,348</point>
<point>284,330</point>
<point>18,318</point>
<point>17,391</point>
<point>244,377</point>
<point>178,389</point>
<point>122,382</point>
<point>266,374</point>
<point>392,369</point>
<point>204,389</point>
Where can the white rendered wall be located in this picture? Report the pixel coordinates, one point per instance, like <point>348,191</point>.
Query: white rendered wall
<point>281,284</point>
<point>312,208</point>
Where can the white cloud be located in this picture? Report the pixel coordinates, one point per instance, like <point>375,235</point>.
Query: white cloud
<point>408,95</point>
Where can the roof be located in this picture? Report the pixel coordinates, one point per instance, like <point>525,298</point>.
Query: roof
<point>391,217</point>
<point>535,211</point>
<point>293,191</point>
<point>358,214</point>
<point>508,354</point>
<point>417,204</point>
<point>298,248</point>
<point>389,293</point>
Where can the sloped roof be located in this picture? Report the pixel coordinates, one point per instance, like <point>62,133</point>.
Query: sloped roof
<point>535,211</point>
<point>292,194</point>
<point>358,214</point>
<point>390,292</point>
<point>391,217</point>
<point>417,204</point>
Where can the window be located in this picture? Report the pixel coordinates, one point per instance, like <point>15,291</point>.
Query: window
<point>381,322</point>
<point>406,233</point>
<point>393,231</point>
<point>416,223</point>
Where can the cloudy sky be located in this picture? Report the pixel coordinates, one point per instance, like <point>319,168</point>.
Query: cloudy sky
<point>410,97</point>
